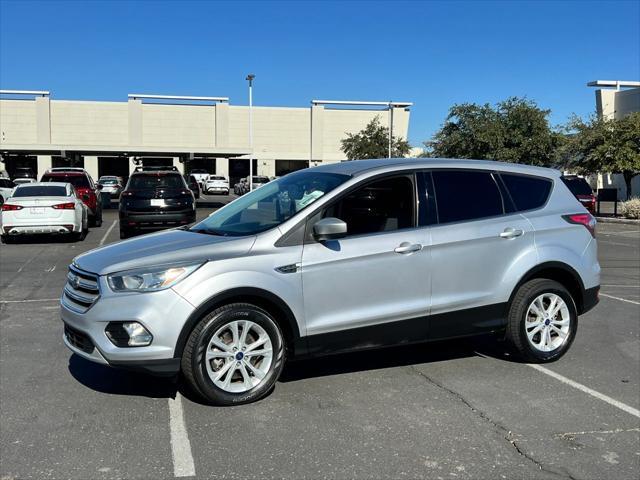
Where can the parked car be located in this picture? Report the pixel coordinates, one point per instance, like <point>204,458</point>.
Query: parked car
<point>238,188</point>
<point>50,208</point>
<point>216,184</point>
<point>201,176</point>
<point>86,189</point>
<point>193,186</point>
<point>6,189</point>
<point>111,185</point>
<point>582,191</point>
<point>20,181</point>
<point>23,172</point>
<point>258,181</point>
<point>153,200</point>
<point>389,252</point>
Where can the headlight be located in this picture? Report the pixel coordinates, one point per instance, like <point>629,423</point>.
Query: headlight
<point>149,280</point>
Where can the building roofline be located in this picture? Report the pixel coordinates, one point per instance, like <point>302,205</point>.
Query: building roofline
<point>614,83</point>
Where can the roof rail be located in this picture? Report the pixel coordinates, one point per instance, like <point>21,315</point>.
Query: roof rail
<point>67,169</point>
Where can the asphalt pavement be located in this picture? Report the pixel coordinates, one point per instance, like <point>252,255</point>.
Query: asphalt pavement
<point>453,410</point>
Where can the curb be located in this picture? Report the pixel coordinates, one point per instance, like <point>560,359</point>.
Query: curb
<point>624,221</point>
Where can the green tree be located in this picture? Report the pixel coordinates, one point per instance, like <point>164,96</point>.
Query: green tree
<point>373,142</point>
<point>515,130</point>
<point>600,145</point>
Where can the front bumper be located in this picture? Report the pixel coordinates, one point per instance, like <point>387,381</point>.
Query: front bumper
<point>162,313</point>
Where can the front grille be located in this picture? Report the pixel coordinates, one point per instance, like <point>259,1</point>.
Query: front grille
<point>78,339</point>
<point>81,291</point>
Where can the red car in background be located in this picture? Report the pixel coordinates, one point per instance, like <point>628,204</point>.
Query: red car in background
<point>86,188</point>
<point>582,191</point>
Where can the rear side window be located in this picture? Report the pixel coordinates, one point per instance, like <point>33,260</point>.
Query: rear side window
<point>527,192</point>
<point>466,195</point>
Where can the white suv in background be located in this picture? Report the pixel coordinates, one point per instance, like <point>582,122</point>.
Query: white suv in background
<point>216,184</point>
<point>345,256</point>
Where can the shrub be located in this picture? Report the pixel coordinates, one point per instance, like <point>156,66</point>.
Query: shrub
<point>631,208</point>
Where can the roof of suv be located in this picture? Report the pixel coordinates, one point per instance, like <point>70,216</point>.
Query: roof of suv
<point>358,167</point>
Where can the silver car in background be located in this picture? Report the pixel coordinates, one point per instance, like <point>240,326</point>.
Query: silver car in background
<point>346,256</point>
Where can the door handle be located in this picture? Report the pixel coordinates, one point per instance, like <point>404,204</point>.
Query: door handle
<point>406,247</point>
<point>511,232</point>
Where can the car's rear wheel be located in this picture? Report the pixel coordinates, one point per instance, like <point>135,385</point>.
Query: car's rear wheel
<point>234,355</point>
<point>543,321</point>
<point>124,234</point>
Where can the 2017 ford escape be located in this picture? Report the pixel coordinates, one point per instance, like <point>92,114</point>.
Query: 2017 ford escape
<point>340,257</point>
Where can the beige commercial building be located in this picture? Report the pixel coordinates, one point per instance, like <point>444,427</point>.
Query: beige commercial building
<point>110,138</point>
<point>614,100</point>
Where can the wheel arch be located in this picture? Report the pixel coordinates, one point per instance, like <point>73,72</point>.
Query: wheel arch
<point>562,273</point>
<point>283,315</point>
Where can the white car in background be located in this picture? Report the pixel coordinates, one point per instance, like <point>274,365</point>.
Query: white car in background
<point>44,208</point>
<point>201,176</point>
<point>216,184</point>
<point>21,181</point>
<point>6,189</point>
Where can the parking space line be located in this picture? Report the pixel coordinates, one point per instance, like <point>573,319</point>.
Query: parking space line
<point>107,233</point>
<point>183,465</point>
<point>30,301</point>
<point>618,298</point>
<point>600,396</point>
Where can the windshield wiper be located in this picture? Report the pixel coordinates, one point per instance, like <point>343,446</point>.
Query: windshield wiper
<point>209,231</point>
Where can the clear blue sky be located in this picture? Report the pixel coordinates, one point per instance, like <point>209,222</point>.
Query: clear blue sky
<point>431,53</point>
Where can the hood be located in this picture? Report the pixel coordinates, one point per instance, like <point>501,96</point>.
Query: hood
<point>167,247</point>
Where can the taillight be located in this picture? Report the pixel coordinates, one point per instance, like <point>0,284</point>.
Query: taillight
<point>7,207</point>
<point>64,206</point>
<point>587,220</point>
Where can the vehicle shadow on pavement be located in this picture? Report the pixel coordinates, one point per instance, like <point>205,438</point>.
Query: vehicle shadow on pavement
<point>119,381</point>
<point>210,204</point>
<point>399,356</point>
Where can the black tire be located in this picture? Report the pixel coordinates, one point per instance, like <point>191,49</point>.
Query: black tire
<point>193,365</point>
<point>516,333</point>
<point>6,239</point>
<point>124,234</point>
<point>98,219</point>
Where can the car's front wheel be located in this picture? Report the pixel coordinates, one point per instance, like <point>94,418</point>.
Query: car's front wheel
<point>234,355</point>
<point>543,321</point>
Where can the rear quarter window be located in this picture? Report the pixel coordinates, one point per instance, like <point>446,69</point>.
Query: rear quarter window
<point>527,192</point>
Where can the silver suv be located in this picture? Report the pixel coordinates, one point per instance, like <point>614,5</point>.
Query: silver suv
<point>346,256</point>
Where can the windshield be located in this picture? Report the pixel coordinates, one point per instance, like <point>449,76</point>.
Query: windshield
<point>269,206</point>
<point>260,179</point>
<point>108,181</point>
<point>216,178</point>
<point>153,181</point>
<point>40,191</point>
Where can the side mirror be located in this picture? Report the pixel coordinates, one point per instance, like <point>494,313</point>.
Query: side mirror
<point>99,186</point>
<point>329,228</point>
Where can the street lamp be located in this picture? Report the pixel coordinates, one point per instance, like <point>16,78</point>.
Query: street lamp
<point>250,78</point>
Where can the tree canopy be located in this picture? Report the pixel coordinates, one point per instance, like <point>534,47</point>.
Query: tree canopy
<point>601,145</point>
<point>373,142</point>
<point>514,130</point>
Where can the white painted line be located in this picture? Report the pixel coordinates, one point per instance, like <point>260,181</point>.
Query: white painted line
<point>107,233</point>
<point>600,396</point>
<point>618,298</point>
<point>30,301</point>
<point>591,432</point>
<point>180,446</point>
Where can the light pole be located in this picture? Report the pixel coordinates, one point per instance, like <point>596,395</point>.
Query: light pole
<point>250,78</point>
<point>390,127</point>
